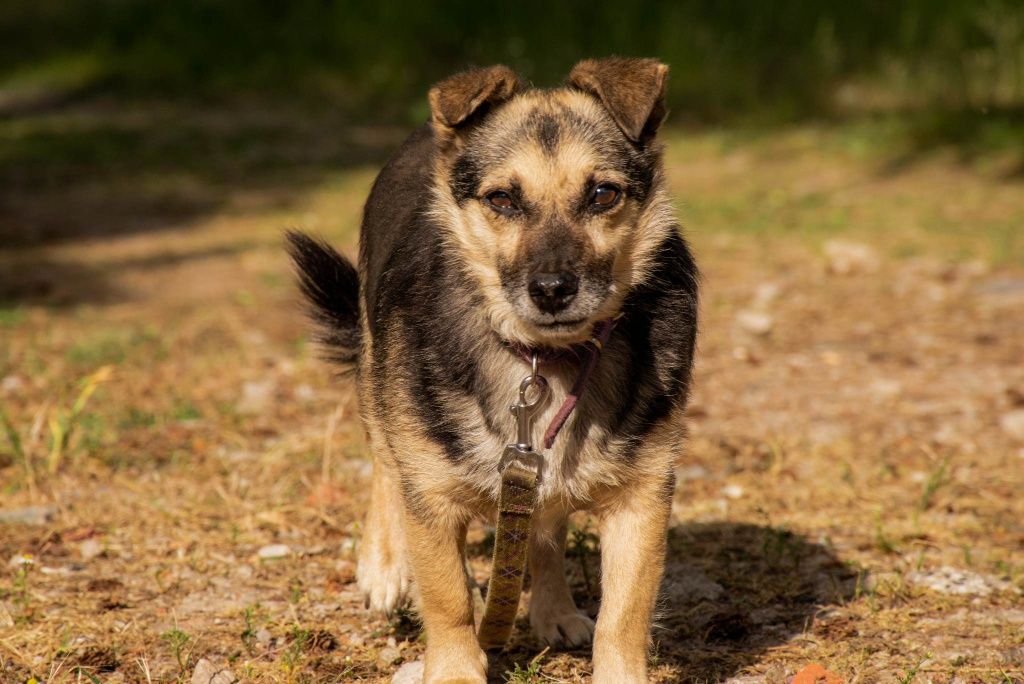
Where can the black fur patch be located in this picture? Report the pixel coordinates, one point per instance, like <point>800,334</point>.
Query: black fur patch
<point>465,178</point>
<point>547,131</point>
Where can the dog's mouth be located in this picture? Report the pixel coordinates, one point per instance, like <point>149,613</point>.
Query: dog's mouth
<point>562,325</point>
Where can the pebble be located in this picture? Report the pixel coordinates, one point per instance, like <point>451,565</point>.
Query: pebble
<point>850,258</point>
<point>957,582</point>
<point>689,583</point>
<point>755,322</point>
<point>388,656</point>
<point>409,673</point>
<point>1012,424</point>
<point>766,293</point>
<point>733,491</point>
<point>32,515</point>
<point>263,635</point>
<point>256,397</point>
<point>11,384</point>
<point>274,551</point>
<point>208,673</point>
<point>90,548</point>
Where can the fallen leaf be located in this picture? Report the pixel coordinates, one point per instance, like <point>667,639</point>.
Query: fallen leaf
<point>816,674</point>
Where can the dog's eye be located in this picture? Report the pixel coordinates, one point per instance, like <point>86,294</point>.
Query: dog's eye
<point>605,195</point>
<point>501,200</point>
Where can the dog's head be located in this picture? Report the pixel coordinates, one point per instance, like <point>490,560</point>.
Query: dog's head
<point>553,198</point>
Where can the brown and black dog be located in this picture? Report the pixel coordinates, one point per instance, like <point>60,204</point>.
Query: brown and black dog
<point>519,218</point>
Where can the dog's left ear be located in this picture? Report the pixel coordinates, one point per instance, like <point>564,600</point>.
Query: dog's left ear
<point>632,90</point>
<point>457,100</point>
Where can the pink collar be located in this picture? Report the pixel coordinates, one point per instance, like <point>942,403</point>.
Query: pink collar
<point>586,354</point>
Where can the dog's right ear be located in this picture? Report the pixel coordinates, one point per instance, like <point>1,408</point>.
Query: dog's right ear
<point>461,99</point>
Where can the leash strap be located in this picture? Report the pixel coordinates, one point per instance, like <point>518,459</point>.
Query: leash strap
<point>520,471</point>
<point>516,503</point>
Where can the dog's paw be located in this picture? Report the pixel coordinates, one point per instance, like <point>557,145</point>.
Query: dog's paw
<point>452,663</point>
<point>384,582</point>
<point>568,629</point>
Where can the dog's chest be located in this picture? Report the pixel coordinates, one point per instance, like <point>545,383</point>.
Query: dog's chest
<point>583,455</point>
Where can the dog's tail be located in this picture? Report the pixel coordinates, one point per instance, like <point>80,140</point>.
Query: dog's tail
<point>330,283</point>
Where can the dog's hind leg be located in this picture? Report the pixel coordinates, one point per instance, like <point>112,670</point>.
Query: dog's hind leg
<point>383,573</point>
<point>553,614</point>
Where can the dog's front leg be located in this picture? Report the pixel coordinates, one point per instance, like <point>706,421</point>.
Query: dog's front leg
<point>633,531</point>
<point>553,614</point>
<point>436,546</point>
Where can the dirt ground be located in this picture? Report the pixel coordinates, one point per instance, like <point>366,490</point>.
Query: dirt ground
<point>852,494</point>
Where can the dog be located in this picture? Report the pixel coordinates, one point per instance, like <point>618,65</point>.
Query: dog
<point>518,219</point>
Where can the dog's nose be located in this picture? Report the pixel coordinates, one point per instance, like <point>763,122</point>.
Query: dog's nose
<point>552,292</point>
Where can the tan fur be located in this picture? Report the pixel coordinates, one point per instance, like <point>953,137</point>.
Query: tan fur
<point>483,238</point>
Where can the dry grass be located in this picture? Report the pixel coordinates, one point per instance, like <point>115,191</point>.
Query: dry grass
<point>839,462</point>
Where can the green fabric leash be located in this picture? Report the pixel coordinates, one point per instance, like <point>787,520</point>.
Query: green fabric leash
<point>516,503</point>
<point>520,474</point>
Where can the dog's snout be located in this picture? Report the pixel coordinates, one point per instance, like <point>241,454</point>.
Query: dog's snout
<point>552,292</point>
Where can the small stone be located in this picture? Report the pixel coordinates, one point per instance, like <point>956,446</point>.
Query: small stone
<point>885,388</point>
<point>208,673</point>
<point>274,552</point>
<point>90,548</point>
<point>850,258</point>
<point>32,515</point>
<point>11,384</point>
<point>388,656</point>
<point>256,397</point>
<point>755,322</point>
<point>689,583</point>
<point>1012,424</point>
<point>733,491</point>
<point>263,635</point>
<point>957,582</point>
<point>745,354</point>
<point>409,673</point>
<point>766,293</point>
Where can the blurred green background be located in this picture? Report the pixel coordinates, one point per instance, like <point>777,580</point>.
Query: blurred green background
<point>732,59</point>
<point>147,113</point>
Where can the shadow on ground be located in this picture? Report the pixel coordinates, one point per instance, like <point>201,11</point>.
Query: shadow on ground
<point>731,591</point>
<point>96,169</point>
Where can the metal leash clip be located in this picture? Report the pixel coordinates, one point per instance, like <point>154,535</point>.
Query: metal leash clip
<point>524,410</point>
